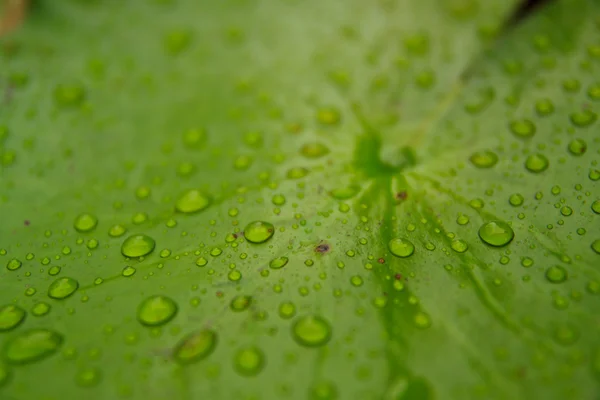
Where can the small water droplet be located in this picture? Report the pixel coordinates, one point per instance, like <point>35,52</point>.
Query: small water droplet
<point>516,199</point>
<point>459,246</point>
<point>62,288</point>
<point>297,173</point>
<point>88,377</point>
<point>85,222</point>
<point>137,246</point>
<point>496,233</point>
<point>156,310</point>
<point>577,147</point>
<point>484,159</point>
<point>193,201</point>
<point>128,271</point>
<point>401,247</point>
<point>287,310</point>
<point>544,107</point>
<point>13,264</point>
<point>195,347</point>
<point>323,391</point>
<point>242,162</point>
<point>249,361</point>
<point>311,331</point>
<point>40,309</point>
<point>11,316</point>
<point>537,163</point>
<point>31,346</point>
<point>201,261</point>
<point>556,274</point>
<point>345,193</point>
<point>328,116</point>
<point>278,262</point>
<point>314,150</point>
<point>596,246</point>
<point>596,206</point>
<point>194,138</point>
<point>583,118</point>
<point>259,232</point>
<point>523,128</point>
<point>278,199</point>
<point>240,303</point>
<point>117,230</point>
<point>69,95</point>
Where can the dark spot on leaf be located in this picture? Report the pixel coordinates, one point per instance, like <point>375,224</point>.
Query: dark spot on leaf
<point>380,260</point>
<point>322,248</point>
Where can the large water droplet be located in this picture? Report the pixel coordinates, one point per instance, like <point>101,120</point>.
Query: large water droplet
<point>523,128</point>
<point>537,163</point>
<point>596,246</point>
<point>195,347</point>
<point>577,147</point>
<point>11,316</point>
<point>496,233</point>
<point>259,231</point>
<point>137,246</point>
<point>311,331</point>
<point>401,247</point>
<point>62,288</point>
<point>484,159</point>
<point>249,361</point>
<point>556,274</point>
<point>13,264</point>
<point>193,201</point>
<point>32,345</point>
<point>596,206</point>
<point>85,222</point>
<point>583,118</point>
<point>156,310</point>
<point>278,262</point>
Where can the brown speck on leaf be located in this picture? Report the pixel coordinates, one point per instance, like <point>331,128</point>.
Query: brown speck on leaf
<point>398,277</point>
<point>220,294</point>
<point>26,222</point>
<point>322,248</point>
<point>401,196</point>
<point>380,260</point>
<point>238,234</point>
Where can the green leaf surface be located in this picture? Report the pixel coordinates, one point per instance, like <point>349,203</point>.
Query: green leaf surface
<point>285,199</point>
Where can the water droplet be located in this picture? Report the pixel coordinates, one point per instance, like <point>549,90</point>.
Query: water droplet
<point>556,274</point>
<point>537,163</point>
<point>31,346</point>
<point>345,193</point>
<point>516,199</point>
<point>193,201</point>
<point>596,206</point>
<point>69,95</point>
<point>328,116</point>
<point>88,377</point>
<point>62,288</point>
<point>323,391</point>
<point>596,246</point>
<point>278,262</point>
<point>195,347</point>
<point>128,271</point>
<point>177,41</point>
<point>240,303</point>
<point>462,219</point>
<point>278,199</point>
<point>523,128</point>
<point>287,310</point>
<point>85,222</point>
<point>249,361</point>
<point>544,107</point>
<point>259,231</point>
<point>40,309</point>
<point>496,233</point>
<point>297,173</point>
<point>314,150</point>
<point>54,270</point>
<point>583,118</point>
<point>201,261</point>
<point>577,147</point>
<point>137,246</point>
<point>484,159</point>
<point>156,310</point>
<point>242,162</point>
<point>117,230</point>
<point>11,316</point>
<point>401,247</point>
<point>234,275</point>
<point>14,264</point>
<point>594,174</point>
<point>194,138</point>
<point>311,331</point>
<point>459,246</point>
<point>526,262</point>
<point>422,320</point>
<point>566,211</point>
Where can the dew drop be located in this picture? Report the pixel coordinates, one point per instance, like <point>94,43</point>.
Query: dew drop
<point>137,246</point>
<point>88,377</point>
<point>278,199</point>
<point>259,231</point>
<point>195,347</point>
<point>556,274</point>
<point>583,118</point>
<point>128,271</point>
<point>11,316</point>
<point>544,107</point>
<point>459,246</point>
<point>156,310</point>
<point>516,199</point>
<point>117,230</point>
<point>201,261</point>
<point>278,262</point>
<point>193,201</point>
<point>14,264</point>
<point>496,233</point>
<point>40,309</point>
<point>240,303</point>
<point>328,116</point>
<point>596,206</point>
<point>523,128</point>
<point>249,361</point>
<point>194,138</point>
<point>62,288</point>
<point>345,193</point>
<point>242,163</point>
<point>537,163</point>
<point>31,346</point>
<point>323,391</point>
<point>484,159</point>
<point>311,331</point>
<point>401,247</point>
<point>85,222</point>
<point>596,246</point>
<point>577,147</point>
<point>314,150</point>
<point>69,95</point>
<point>297,173</point>
<point>287,310</point>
